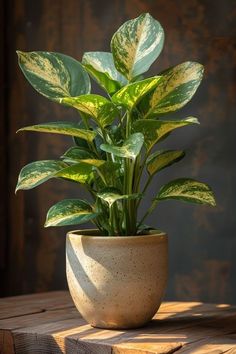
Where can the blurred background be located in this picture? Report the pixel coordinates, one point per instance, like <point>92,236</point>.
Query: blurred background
<point>202,240</point>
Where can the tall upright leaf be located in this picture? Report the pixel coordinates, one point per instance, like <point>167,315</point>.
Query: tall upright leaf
<point>136,45</point>
<point>54,75</point>
<point>100,66</point>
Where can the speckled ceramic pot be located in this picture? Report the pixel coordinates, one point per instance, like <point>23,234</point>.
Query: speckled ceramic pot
<point>116,282</point>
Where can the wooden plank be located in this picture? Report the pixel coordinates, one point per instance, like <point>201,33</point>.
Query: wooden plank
<point>26,304</point>
<point>178,327</point>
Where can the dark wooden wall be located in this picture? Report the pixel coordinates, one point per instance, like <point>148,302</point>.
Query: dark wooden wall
<point>202,239</point>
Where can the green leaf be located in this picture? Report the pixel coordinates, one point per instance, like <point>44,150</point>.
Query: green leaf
<point>131,94</point>
<point>35,173</point>
<point>69,212</point>
<point>136,45</point>
<point>64,128</point>
<point>76,154</point>
<point>111,195</point>
<point>100,66</point>
<point>98,107</point>
<point>155,130</point>
<point>188,190</point>
<point>54,75</point>
<point>162,159</point>
<point>130,149</point>
<point>174,90</point>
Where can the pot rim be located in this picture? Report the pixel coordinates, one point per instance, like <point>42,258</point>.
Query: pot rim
<point>87,234</point>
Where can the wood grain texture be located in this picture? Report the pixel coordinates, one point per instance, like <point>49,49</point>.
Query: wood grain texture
<point>181,327</point>
<point>202,261</point>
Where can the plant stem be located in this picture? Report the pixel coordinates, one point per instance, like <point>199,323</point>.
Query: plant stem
<point>148,212</point>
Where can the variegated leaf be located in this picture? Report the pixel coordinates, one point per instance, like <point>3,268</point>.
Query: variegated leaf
<point>136,45</point>
<point>98,107</point>
<point>131,94</point>
<point>35,173</point>
<point>188,190</point>
<point>155,130</point>
<point>54,75</point>
<point>39,172</point>
<point>162,159</point>
<point>174,90</point>
<point>69,212</point>
<point>130,149</point>
<point>80,172</point>
<point>111,195</point>
<point>64,128</point>
<point>100,66</point>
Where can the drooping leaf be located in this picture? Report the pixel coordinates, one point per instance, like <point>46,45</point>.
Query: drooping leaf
<point>69,212</point>
<point>131,94</point>
<point>101,67</point>
<point>98,107</point>
<point>36,173</point>
<point>188,190</point>
<point>155,130</point>
<point>54,75</point>
<point>130,149</point>
<point>162,159</point>
<point>64,128</point>
<point>111,195</point>
<point>136,45</point>
<point>174,90</point>
<point>76,154</point>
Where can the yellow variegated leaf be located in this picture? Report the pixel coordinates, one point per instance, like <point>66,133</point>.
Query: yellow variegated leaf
<point>39,172</point>
<point>112,195</point>
<point>98,107</point>
<point>174,90</point>
<point>131,94</point>
<point>69,212</point>
<point>155,130</point>
<point>130,148</point>
<point>188,190</point>
<point>80,172</point>
<point>162,159</point>
<point>35,173</point>
<point>64,128</point>
<point>54,75</point>
<point>136,45</point>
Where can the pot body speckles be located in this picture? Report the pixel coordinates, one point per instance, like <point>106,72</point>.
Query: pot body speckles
<point>116,282</point>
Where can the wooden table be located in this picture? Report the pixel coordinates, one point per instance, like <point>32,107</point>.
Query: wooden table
<point>49,323</point>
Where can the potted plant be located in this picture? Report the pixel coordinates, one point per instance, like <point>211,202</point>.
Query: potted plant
<point>116,272</point>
